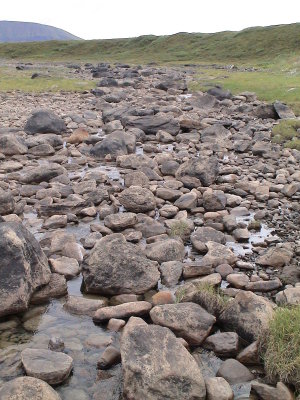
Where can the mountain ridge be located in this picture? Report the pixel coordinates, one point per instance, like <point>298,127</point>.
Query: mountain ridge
<point>18,31</point>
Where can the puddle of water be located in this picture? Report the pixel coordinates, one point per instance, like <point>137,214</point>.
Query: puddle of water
<point>74,330</point>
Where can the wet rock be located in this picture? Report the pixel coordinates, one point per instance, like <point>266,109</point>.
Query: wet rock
<point>187,320</point>
<point>218,389</point>
<point>125,310</point>
<point>203,168</point>
<point>267,392</point>
<point>223,344</point>
<point>165,250</point>
<point>234,372</point>
<point>137,199</point>
<point>56,344</point>
<point>99,341</point>
<point>202,235</point>
<point>66,266</point>
<point>171,272</point>
<point>248,315</point>
<point>11,145</point>
<point>44,121</point>
<point>115,267</point>
<point>25,388</point>
<point>117,222</point>
<point>156,365</point>
<point>275,257</point>
<point>24,267</point>
<point>56,287</point>
<point>109,357</point>
<point>49,366</point>
<point>83,306</point>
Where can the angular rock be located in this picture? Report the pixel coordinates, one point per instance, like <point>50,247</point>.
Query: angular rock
<point>7,202</point>
<point>275,257</point>
<point>157,366</point>
<point>171,272</point>
<point>11,145</point>
<point>202,235</point>
<point>44,121</point>
<point>50,366</point>
<point>248,315</point>
<point>23,268</point>
<point>266,392</point>
<point>66,266</point>
<point>152,124</point>
<point>56,287</point>
<point>116,144</point>
<point>289,296</point>
<point>115,267</point>
<point>205,169</point>
<point>186,320</point>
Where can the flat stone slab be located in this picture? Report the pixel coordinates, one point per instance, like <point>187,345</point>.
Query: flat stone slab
<point>82,306</point>
<point>49,366</point>
<point>134,308</point>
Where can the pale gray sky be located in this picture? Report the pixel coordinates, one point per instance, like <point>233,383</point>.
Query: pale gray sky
<point>99,19</point>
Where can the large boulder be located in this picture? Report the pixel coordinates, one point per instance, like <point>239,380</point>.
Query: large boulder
<point>205,169</point>
<point>157,366</point>
<point>115,267</point>
<point>44,121</point>
<point>42,173</point>
<point>11,145</point>
<point>137,199</point>
<point>116,144</point>
<point>28,388</point>
<point>23,268</point>
<point>51,366</point>
<point>248,315</point>
<point>153,123</point>
<point>187,320</point>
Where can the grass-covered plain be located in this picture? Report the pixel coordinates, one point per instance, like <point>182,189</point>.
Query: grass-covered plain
<point>52,81</point>
<point>280,346</point>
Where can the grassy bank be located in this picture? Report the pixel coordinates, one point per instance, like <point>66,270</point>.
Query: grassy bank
<point>258,45</point>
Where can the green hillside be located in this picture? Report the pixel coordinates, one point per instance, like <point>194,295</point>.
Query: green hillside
<point>258,45</point>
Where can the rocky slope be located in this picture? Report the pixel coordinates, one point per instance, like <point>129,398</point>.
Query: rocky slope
<point>150,196</point>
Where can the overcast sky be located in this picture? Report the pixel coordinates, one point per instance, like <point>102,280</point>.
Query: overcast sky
<point>99,19</point>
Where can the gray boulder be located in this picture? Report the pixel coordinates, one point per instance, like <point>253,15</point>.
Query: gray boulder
<point>44,121</point>
<point>205,169</point>
<point>116,267</point>
<point>25,388</point>
<point>157,366</point>
<point>187,320</point>
<point>11,145</point>
<point>23,268</point>
<point>7,202</point>
<point>137,199</point>
<point>117,143</point>
<point>152,124</point>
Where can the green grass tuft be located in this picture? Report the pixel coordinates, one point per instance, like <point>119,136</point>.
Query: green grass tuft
<point>286,133</point>
<point>280,346</point>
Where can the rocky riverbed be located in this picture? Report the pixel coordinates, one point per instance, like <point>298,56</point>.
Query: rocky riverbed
<point>146,236</point>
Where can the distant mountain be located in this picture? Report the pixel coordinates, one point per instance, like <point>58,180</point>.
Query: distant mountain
<point>12,31</point>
